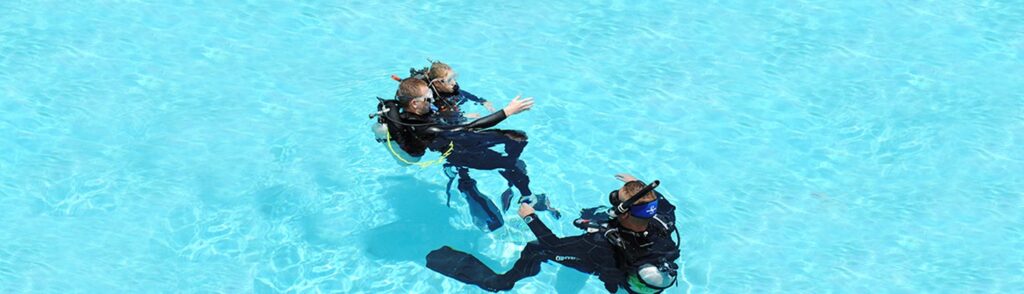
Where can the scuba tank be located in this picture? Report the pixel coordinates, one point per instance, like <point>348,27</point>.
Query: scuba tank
<point>398,137</point>
<point>388,131</point>
<point>647,276</point>
<point>380,132</point>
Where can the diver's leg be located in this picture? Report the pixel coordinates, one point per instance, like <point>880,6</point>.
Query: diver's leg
<point>477,145</point>
<point>516,177</point>
<point>483,159</point>
<point>528,265</point>
<point>570,251</point>
<point>473,150</point>
<point>515,141</point>
<point>515,169</point>
<point>481,142</point>
<point>484,212</point>
<point>466,268</point>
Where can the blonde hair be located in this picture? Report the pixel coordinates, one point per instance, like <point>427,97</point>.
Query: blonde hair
<point>438,70</point>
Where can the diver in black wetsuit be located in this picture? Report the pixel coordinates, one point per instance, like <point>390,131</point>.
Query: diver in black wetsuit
<point>447,106</point>
<point>449,97</point>
<point>627,250</point>
<point>417,129</point>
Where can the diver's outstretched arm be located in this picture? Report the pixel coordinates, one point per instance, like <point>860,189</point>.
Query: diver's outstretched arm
<point>480,123</point>
<point>485,122</point>
<point>513,108</point>
<point>544,235</point>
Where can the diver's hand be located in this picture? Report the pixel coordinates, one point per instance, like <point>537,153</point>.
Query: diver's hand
<point>626,177</point>
<point>525,209</point>
<point>473,115</point>
<point>489,106</point>
<point>517,106</point>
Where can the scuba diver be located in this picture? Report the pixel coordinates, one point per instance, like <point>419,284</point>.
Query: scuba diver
<point>410,122</point>
<point>448,100</point>
<point>448,96</point>
<point>628,245</point>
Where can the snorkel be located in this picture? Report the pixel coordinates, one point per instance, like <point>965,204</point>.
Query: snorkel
<point>644,211</point>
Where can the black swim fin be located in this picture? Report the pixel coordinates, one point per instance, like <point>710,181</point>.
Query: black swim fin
<point>506,199</point>
<point>544,204</point>
<point>517,177</point>
<point>485,213</point>
<point>540,202</point>
<point>465,268</point>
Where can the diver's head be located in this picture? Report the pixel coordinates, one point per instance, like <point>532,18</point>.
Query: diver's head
<point>414,96</point>
<point>642,210</point>
<point>442,78</point>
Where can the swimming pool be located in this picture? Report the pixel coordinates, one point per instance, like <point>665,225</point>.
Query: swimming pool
<point>189,146</point>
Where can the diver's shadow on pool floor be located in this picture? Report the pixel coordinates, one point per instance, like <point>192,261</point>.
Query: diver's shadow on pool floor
<point>422,225</point>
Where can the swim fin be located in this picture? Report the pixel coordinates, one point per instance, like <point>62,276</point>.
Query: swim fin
<point>544,204</point>
<point>465,268</point>
<point>506,199</point>
<point>485,213</point>
<point>516,176</point>
<point>540,202</point>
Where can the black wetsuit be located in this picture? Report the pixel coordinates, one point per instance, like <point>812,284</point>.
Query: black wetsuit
<point>590,253</point>
<point>449,105</point>
<point>470,146</point>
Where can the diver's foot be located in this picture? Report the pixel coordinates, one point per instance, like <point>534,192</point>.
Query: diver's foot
<point>540,202</point>
<point>530,200</point>
<point>557,214</point>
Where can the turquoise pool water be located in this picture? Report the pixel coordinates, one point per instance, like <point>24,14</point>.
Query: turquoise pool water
<point>208,146</point>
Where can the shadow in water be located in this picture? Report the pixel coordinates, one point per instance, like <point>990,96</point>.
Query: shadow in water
<point>568,280</point>
<point>422,225</point>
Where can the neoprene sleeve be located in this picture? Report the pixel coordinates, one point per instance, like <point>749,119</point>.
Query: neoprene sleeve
<point>544,235</point>
<point>481,123</point>
<point>488,121</point>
